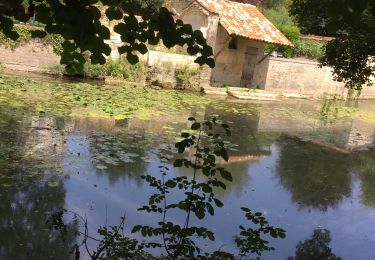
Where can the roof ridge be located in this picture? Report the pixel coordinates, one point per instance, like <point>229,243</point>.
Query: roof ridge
<point>244,20</point>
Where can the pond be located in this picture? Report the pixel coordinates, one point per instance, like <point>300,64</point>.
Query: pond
<point>308,166</point>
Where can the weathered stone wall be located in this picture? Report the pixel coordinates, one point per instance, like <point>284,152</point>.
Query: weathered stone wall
<point>31,56</point>
<point>196,17</point>
<point>162,67</point>
<point>179,5</point>
<point>170,60</point>
<point>305,77</point>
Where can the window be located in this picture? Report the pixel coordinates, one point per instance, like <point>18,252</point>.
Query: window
<point>233,44</point>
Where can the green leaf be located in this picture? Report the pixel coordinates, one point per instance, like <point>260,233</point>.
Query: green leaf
<point>170,184</point>
<point>210,209</point>
<point>200,214</point>
<point>38,34</point>
<point>218,203</point>
<point>142,48</point>
<point>211,237</point>
<point>226,175</point>
<point>210,62</point>
<point>133,59</point>
<point>177,163</point>
<point>224,154</point>
<point>113,13</point>
<point>206,188</point>
<point>195,126</point>
<point>136,228</point>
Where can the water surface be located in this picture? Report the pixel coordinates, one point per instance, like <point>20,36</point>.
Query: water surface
<point>311,174</point>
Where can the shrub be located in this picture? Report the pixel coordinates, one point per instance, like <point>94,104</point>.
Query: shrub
<point>25,31</point>
<point>309,48</point>
<point>119,69</point>
<point>122,69</point>
<point>280,17</point>
<point>187,77</point>
<point>293,34</point>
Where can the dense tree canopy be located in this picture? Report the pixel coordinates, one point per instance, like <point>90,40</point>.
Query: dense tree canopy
<point>141,23</point>
<point>352,23</point>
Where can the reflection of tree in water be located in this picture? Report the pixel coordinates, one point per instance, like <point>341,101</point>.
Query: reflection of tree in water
<point>315,176</point>
<point>241,178</point>
<point>27,195</point>
<point>363,164</point>
<point>316,247</point>
<point>24,233</point>
<point>124,156</point>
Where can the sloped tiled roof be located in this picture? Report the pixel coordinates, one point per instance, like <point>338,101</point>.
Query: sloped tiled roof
<point>245,20</point>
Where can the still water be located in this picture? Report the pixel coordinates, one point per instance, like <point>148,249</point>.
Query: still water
<point>313,178</point>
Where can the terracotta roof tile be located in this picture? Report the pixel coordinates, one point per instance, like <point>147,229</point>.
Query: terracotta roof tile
<point>245,20</point>
<point>317,37</point>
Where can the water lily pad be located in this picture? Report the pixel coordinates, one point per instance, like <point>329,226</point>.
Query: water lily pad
<point>53,183</point>
<point>101,167</point>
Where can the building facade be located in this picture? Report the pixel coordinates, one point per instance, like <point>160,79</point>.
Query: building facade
<point>237,33</point>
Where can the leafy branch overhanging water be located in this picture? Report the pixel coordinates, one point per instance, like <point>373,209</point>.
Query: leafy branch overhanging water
<point>180,241</point>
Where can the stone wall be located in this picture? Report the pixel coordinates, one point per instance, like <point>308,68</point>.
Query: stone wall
<point>162,66</point>
<point>31,56</point>
<point>169,60</point>
<point>305,77</point>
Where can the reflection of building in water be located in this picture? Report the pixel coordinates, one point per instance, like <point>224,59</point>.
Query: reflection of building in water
<point>45,140</point>
<point>361,134</point>
<point>26,197</point>
<point>350,134</point>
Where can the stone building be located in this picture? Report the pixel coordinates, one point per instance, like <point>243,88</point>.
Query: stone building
<point>237,33</point>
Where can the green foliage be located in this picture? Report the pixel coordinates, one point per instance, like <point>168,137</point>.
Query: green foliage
<point>26,35</point>
<point>55,41</point>
<point>309,48</point>
<point>178,238</point>
<point>311,16</point>
<point>188,77</point>
<point>279,17</point>
<point>277,4</point>
<point>293,34</point>
<point>316,247</point>
<point>282,20</point>
<point>119,69</point>
<point>329,108</point>
<point>79,23</point>
<point>122,69</point>
<point>351,54</point>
